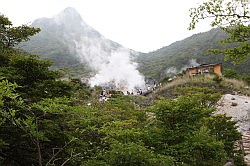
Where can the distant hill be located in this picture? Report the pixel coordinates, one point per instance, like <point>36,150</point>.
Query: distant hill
<point>69,42</point>
<point>189,52</point>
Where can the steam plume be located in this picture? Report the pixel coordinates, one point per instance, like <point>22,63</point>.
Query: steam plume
<point>112,64</point>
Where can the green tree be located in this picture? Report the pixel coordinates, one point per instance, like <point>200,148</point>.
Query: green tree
<point>12,132</point>
<point>6,93</point>
<point>133,154</point>
<point>225,130</point>
<point>34,77</point>
<point>35,134</point>
<point>231,16</point>
<point>178,130</point>
<point>23,139</point>
<point>246,78</point>
<point>205,149</point>
<point>229,73</point>
<point>11,36</point>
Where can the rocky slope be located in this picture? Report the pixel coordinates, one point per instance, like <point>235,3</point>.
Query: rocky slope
<point>238,107</point>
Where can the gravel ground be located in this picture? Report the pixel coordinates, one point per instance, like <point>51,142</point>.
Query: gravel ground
<point>238,107</point>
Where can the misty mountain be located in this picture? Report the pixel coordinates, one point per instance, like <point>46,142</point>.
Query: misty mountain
<point>69,42</point>
<point>191,51</point>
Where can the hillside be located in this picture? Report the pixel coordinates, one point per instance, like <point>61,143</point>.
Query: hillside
<point>191,51</point>
<point>69,42</point>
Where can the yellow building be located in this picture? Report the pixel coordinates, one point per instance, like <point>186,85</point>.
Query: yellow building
<point>204,69</point>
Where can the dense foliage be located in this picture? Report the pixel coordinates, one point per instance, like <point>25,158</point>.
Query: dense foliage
<point>55,131</point>
<point>47,121</point>
<point>229,73</point>
<point>232,17</point>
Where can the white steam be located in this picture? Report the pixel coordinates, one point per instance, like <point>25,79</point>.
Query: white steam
<point>171,71</point>
<point>93,51</point>
<point>192,63</point>
<point>112,64</point>
<point>119,71</point>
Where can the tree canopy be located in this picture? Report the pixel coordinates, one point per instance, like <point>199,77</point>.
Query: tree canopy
<point>11,36</point>
<point>231,16</point>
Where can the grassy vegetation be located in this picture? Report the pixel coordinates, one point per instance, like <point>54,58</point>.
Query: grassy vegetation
<point>226,85</point>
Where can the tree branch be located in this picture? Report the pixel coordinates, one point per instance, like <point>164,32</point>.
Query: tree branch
<point>52,158</point>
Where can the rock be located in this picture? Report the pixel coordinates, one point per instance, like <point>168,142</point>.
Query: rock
<point>229,163</point>
<point>239,112</point>
<point>234,104</point>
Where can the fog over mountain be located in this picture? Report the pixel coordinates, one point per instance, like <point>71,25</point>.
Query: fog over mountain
<point>69,41</point>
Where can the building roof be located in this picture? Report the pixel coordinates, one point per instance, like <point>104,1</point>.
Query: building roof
<point>203,65</point>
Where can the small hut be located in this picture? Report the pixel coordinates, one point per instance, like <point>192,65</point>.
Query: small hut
<point>205,69</point>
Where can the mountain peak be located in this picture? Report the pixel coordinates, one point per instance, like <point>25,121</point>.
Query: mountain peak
<point>70,11</point>
<point>69,14</point>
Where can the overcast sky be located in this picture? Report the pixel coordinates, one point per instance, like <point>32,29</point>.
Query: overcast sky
<point>141,25</point>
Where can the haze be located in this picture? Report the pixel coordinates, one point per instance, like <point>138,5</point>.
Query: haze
<point>141,25</point>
